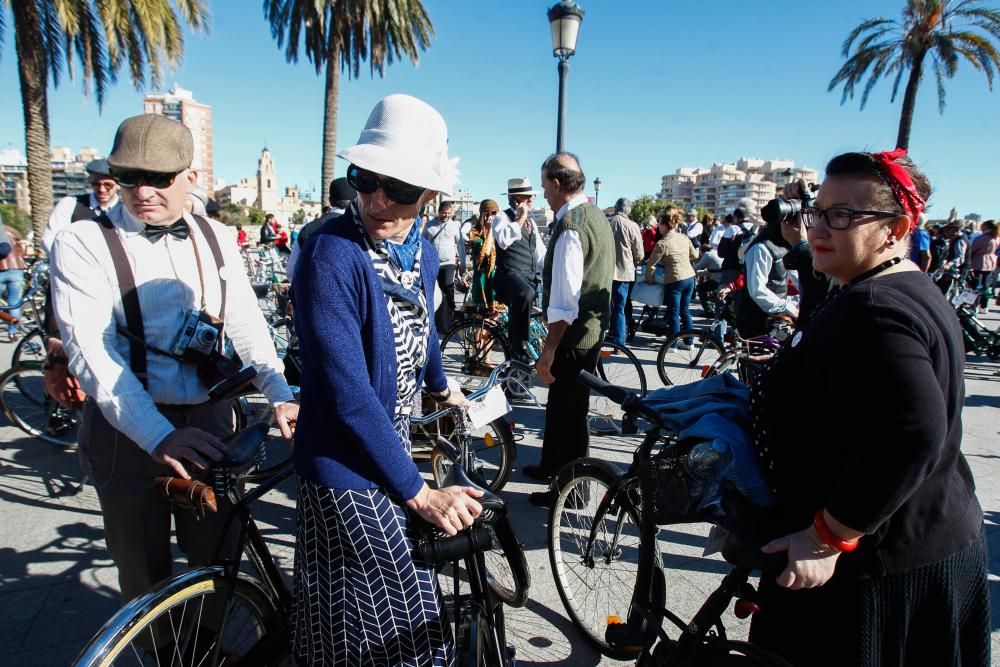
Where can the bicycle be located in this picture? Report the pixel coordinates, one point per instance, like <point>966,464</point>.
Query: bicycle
<point>693,354</point>
<point>976,336</point>
<point>27,405</point>
<point>478,341</point>
<point>604,555</point>
<point>30,350</point>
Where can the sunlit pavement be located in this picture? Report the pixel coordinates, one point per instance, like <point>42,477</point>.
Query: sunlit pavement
<point>58,586</point>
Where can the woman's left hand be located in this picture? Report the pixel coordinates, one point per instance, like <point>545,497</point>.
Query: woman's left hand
<point>811,562</point>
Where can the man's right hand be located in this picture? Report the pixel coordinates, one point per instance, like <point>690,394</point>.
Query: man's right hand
<point>189,444</point>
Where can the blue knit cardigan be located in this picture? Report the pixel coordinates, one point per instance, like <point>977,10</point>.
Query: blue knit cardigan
<point>344,438</point>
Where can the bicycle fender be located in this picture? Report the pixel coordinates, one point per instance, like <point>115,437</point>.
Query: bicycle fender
<point>581,466</point>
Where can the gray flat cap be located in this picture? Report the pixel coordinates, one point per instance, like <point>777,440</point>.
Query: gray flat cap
<point>152,142</point>
<point>98,167</point>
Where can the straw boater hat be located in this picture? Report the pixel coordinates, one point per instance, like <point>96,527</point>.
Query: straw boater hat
<point>520,186</point>
<point>406,139</point>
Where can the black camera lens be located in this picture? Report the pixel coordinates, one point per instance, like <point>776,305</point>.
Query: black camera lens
<point>780,210</point>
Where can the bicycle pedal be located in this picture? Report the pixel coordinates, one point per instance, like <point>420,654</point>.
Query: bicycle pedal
<point>621,635</point>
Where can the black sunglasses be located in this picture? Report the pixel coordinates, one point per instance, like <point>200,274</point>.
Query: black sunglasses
<point>367,182</point>
<point>131,178</point>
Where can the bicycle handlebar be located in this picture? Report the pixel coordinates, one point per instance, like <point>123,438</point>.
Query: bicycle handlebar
<point>449,549</point>
<point>491,381</point>
<point>629,402</point>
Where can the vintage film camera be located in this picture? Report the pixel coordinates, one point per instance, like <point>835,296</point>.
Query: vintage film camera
<point>198,342</point>
<point>780,209</point>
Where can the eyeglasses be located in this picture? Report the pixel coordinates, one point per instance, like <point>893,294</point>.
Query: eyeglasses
<point>839,217</point>
<point>131,178</point>
<point>367,182</point>
<point>103,185</point>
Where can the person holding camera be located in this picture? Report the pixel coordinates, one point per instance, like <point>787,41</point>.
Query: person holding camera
<point>144,296</point>
<point>857,422</point>
<point>766,293</point>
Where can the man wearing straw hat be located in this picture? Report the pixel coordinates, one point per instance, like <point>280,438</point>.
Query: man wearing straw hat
<point>520,256</point>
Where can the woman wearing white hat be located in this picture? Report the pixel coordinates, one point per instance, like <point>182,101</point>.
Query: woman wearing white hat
<point>363,295</point>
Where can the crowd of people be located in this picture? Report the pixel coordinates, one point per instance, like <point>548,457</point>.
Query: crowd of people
<point>856,420</point>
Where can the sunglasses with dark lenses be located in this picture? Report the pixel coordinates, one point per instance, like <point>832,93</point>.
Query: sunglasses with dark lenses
<point>367,182</point>
<point>132,178</point>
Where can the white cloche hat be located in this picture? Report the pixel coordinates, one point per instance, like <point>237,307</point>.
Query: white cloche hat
<point>406,139</point>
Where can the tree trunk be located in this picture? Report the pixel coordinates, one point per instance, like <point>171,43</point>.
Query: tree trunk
<point>910,101</point>
<point>33,72</point>
<point>330,99</point>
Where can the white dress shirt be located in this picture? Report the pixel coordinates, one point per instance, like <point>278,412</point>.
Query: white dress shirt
<point>507,232</point>
<point>88,310</point>
<point>716,236</point>
<point>693,230</point>
<point>567,281</point>
<point>62,217</point>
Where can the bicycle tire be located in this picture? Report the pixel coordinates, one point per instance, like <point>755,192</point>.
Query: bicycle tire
<point>507,566</point>
<point>164,608</point>
<point>680,366</point>
<point>569,532</point>
<point>26,404</point>
<point>470,350</point>
<point>495,453</point>
<point>617,365</point>
<point>30,350</point>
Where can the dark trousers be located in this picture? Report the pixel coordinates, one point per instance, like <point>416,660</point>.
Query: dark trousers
<point>518,294</point>
<point>446,283</point>
<point>136,515</point>
<point>567,433</point>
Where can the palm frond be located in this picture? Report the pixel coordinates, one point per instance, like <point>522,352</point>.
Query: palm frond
<point>865,26</point>
<point>939,78</point>
<point>944,49</point>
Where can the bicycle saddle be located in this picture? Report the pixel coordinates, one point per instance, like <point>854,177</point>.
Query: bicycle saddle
<point>490,501</point>
<point>243,448</point>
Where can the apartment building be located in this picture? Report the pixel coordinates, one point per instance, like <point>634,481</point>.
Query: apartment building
<point>721,187</point>
<point>179,104</point>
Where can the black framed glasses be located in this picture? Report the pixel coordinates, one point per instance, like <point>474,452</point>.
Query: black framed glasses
<point>132,178</point>
<point>840,217</point>
<point>367,182</point>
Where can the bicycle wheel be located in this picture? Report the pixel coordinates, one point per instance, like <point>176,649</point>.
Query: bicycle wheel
<point>26,405</point>
<point>687,357</point>
<point>617,365</point>
<point>471,349</point>
<point>30,351</point>
<point>594,580</point>
<point>179,622</point>
<point>507,567</point>
<point>494,450</point>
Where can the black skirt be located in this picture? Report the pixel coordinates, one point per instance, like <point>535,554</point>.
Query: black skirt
<point>938,615</point>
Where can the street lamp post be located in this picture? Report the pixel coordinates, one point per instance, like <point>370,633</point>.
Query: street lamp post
<point>597,190</point>
<point>564,19</point>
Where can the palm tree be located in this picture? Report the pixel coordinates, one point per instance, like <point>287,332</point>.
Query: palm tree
<point>945,30</point>
<point>104,35</point>
<point>339,34</point>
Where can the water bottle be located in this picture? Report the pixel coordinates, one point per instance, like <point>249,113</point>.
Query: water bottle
<point>723,327</point>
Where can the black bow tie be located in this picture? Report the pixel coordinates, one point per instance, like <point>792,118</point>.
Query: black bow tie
<point>178,230</point>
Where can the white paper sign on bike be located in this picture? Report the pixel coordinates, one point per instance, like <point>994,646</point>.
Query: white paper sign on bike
<point>491,406</point>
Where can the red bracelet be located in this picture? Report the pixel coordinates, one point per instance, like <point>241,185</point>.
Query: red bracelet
<point>828,536</point>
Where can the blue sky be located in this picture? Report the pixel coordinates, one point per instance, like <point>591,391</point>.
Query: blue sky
<point>654,85</point>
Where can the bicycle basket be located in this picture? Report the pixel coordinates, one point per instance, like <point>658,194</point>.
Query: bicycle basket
<point>667,489</point>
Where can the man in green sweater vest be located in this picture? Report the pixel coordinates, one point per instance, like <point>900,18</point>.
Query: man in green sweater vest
<point>579,267</point>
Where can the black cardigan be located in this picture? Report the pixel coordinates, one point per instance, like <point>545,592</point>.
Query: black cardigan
<point>861,413</point>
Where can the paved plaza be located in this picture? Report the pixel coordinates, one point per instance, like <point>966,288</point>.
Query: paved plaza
<point>58,586</point>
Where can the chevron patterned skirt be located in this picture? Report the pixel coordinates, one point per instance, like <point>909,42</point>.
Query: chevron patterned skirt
<point>360,598</point>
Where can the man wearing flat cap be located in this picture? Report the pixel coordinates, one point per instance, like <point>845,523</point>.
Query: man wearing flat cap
<point>125,287</point>
<point>103,196</point>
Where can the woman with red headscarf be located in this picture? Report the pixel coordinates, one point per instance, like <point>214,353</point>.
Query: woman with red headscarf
<point>858,423</point>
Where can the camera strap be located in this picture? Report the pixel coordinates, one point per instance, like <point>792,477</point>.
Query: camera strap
<point>130,299</point>
<point>213,244</point>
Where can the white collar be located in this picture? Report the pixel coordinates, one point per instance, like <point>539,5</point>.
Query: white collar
<point>96,204</point>
<point>570,205</point>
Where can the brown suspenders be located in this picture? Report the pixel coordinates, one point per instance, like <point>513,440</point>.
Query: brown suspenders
<point>130,296</point>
